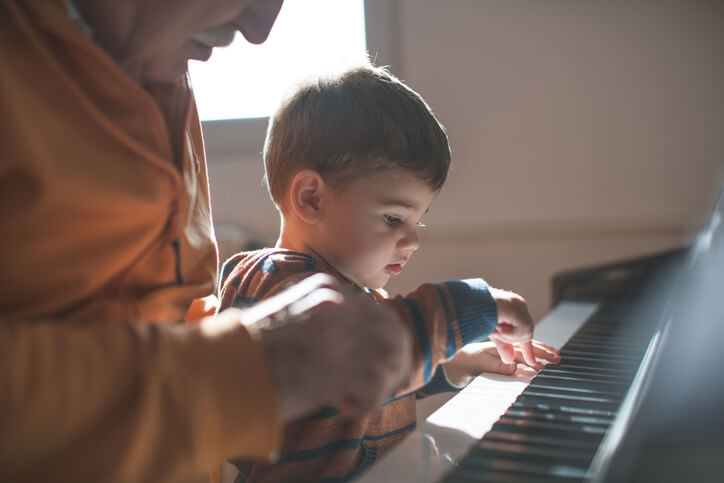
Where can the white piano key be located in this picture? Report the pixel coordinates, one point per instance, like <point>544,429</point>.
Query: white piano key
<point>434,447</point>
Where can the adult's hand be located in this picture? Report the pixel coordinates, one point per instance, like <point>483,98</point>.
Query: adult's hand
<point>328,346</point>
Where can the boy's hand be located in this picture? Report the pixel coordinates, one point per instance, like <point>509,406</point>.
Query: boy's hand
<point>515,327</point>
<point>479,357</point>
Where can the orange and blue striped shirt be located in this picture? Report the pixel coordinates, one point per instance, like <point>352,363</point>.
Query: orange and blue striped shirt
<point>325,447</point>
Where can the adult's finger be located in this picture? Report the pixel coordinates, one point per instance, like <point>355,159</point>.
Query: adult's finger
<point>315,298</point>
<point>279,305</point>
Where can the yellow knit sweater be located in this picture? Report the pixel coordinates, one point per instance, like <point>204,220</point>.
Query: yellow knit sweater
<point>106,238</point>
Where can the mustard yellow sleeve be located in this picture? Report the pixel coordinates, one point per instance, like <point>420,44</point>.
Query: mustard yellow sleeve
<point>131,403</point>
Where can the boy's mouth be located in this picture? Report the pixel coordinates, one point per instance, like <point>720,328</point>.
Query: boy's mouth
<point>393,269</point>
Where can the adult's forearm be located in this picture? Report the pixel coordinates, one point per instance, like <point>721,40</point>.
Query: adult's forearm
<point>124,402</point>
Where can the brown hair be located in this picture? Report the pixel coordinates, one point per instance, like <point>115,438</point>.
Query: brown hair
<point>364,120</point>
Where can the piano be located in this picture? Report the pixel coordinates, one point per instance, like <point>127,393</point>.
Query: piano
<point>638,394</point>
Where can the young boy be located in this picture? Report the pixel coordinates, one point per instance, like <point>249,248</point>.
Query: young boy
<point>352,164</point>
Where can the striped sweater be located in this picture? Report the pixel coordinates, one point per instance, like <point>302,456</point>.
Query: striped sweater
<point>324,446</point>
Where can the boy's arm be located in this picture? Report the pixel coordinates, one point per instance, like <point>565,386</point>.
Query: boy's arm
<point>447,318</point>
<point>443,318</point>
<point>271,275</point>
<point>439,383</point>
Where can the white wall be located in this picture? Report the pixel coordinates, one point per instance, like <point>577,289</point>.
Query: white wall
<point>581,131</point>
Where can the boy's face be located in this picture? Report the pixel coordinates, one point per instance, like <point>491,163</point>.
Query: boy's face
<point>369,228</point>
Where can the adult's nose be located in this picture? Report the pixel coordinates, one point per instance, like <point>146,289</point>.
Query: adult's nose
<point>256,21</point>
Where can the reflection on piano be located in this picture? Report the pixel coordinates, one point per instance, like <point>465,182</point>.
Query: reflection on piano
<point>615,408</point>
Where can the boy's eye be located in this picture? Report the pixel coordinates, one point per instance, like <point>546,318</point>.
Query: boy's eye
<point>421,224</point>
<point>393,220</point>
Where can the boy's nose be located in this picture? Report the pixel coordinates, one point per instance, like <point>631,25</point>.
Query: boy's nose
<point>409,241</point>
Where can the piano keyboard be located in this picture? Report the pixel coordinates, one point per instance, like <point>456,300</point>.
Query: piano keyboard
<point>554,429</point>
<point>528,427</point>
<point>440,442</point>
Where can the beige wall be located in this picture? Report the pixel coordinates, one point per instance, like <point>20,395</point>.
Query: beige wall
<point>582,132</point>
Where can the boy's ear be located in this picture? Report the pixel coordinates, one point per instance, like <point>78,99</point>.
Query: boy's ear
<point>305,195</point>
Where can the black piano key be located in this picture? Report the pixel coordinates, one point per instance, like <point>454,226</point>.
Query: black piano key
<point>591,374</point>
<point>557,400</point>
<point>612,350</point>
<point>556,380</point>
<point>572,365</point>
<point>620,343</point>
<point>629,355</point>
<point>478,461</point>
<point>557,416</point>
<point>548,405</point>
<point>594,391</point>
<point>597,364</point>
<point>463,474</point>
<point>562,432</point>
<point>561,441</point>
<point>537,425</point>
<point>534,453</point>
<point>589,355</point>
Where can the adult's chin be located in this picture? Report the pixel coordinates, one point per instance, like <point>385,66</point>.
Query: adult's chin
<point>163,72</point>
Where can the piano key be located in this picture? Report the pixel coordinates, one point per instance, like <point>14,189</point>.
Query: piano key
<point>572,381</point>
<point>613,349</point>
<point>493,476</point>
<point>546,440</point>
<point>573,371</point>
<point>556,416</point>
<point>577,365</point>
<point>564,408</point>
<point>532,468</point>
<point>489,451</point>
<point>592,390</point>
<point>599,356</point>
<point>557,400</point>
<point>529,426</point>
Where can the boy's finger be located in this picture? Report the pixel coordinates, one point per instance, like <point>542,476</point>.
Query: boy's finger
<point>526,348</point>
<point>546,352</point>
<point>505,350</point>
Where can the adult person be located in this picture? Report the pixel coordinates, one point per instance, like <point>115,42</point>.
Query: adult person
<point>107,238</point>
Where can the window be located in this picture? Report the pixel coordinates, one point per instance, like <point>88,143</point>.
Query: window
<point>231,86</point>
<point>309,37</point>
